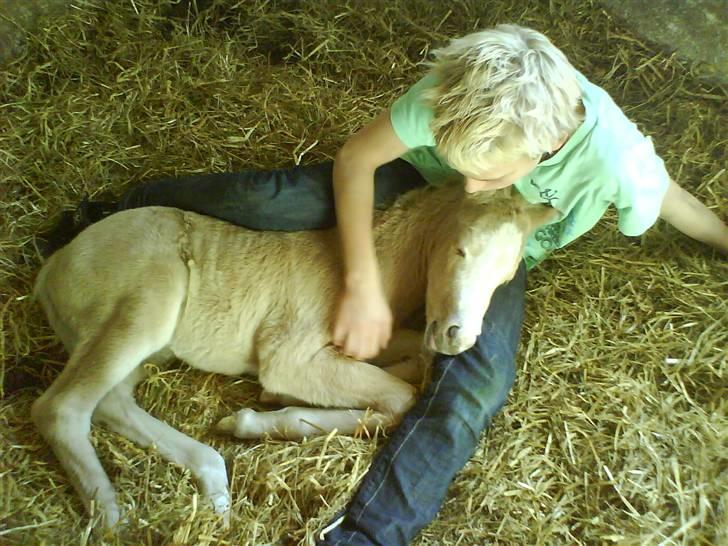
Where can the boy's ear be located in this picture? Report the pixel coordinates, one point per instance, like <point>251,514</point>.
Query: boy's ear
<point>538,215</point>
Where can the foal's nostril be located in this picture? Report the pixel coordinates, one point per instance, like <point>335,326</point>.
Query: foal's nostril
<point>453,331</point>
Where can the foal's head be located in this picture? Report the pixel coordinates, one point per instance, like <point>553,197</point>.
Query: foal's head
<point>475,250</point>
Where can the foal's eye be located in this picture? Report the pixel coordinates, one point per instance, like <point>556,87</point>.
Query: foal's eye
<point>460,252</point>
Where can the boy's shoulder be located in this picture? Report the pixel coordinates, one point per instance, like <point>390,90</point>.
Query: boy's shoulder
<point>411,115</point>
<point>625,156</point>
<point>616,142</point>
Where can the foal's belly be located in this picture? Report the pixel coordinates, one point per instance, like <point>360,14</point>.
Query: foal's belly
<point>217,348</point>
<point>226,363</point>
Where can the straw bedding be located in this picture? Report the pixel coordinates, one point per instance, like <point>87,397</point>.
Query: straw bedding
<point>616,430</point>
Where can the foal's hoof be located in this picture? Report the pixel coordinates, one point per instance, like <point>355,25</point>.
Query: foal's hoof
<point>111,517</point>
<point>222,504</point>
<point>239,424</point>
<point>227,425</point>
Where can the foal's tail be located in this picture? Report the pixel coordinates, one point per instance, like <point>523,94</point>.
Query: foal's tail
<point>71,223</point>
<point>58,236</point>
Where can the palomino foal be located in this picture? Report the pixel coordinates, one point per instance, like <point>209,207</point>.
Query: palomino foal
<point>152,284</point>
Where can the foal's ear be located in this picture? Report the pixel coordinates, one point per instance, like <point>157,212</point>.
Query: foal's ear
<point>538,215</point>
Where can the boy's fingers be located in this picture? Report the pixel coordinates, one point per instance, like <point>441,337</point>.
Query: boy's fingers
<point>361,341</point>
<point>361,345</point>
<point>358,347</point>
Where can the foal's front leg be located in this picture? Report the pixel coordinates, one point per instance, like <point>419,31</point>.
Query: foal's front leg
<point>405,357</point>
<point>297,423</point>
<point>327,379</point>
<point>405,344</point>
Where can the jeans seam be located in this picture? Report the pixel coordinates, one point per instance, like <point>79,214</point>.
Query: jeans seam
<point>404,441</point>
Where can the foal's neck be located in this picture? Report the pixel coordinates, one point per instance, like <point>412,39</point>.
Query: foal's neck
<point>404,235</point>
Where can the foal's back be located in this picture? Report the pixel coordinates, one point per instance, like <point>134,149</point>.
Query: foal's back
<point>229,285</point>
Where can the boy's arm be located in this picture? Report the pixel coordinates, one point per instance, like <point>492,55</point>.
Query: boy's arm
<point>363,322</point>
<point>690,216</point>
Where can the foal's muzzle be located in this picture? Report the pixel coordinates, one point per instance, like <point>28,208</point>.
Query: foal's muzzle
<point>447,338</point>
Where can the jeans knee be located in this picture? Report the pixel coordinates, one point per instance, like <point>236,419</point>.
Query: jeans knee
<point>495,393</point>
<point>474,400</point>
<point>504,376</point>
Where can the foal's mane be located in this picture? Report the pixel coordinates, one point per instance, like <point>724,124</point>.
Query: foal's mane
<point>434,201</point>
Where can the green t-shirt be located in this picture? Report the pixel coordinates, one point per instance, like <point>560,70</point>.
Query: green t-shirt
<point>606,161</point>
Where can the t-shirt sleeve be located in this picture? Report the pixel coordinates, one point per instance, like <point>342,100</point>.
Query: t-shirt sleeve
<point>411,116</point>
<point>642,183</point>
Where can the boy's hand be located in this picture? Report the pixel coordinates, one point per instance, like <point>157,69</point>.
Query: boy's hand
<point>363,323</point>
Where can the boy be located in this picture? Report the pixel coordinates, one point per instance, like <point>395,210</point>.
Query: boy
<point>499,107</point>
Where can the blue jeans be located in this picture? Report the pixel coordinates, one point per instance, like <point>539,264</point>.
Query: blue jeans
<point>407,482</point>
<point>409,477</point>
<point>281,200</point>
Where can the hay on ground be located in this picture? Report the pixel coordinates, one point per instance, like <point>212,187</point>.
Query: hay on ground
<point>616,430</point>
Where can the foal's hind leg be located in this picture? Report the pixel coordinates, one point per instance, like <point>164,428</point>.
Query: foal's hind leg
<point>119,412</point>
<point>134,330</point>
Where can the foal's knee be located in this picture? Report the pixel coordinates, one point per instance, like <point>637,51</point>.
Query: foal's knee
<point>38,414</point>
<point>397,403</point>
<point>52,417</point>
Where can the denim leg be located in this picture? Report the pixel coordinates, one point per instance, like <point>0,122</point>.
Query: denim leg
<point>281,200</point>
<point>409,477</point>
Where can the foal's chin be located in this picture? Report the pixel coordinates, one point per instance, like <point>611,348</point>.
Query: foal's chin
<point>449,347</point>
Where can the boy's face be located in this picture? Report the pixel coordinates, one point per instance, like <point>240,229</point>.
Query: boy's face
<point>499,175</point>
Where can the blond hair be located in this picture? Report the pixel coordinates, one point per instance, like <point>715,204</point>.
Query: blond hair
<point>501,94</point>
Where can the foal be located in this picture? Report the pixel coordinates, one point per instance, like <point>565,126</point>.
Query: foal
<point>155,283</point>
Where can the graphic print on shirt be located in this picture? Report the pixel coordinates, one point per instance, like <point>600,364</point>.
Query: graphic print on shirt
<point>548,236</point>
<point>548,195</point>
